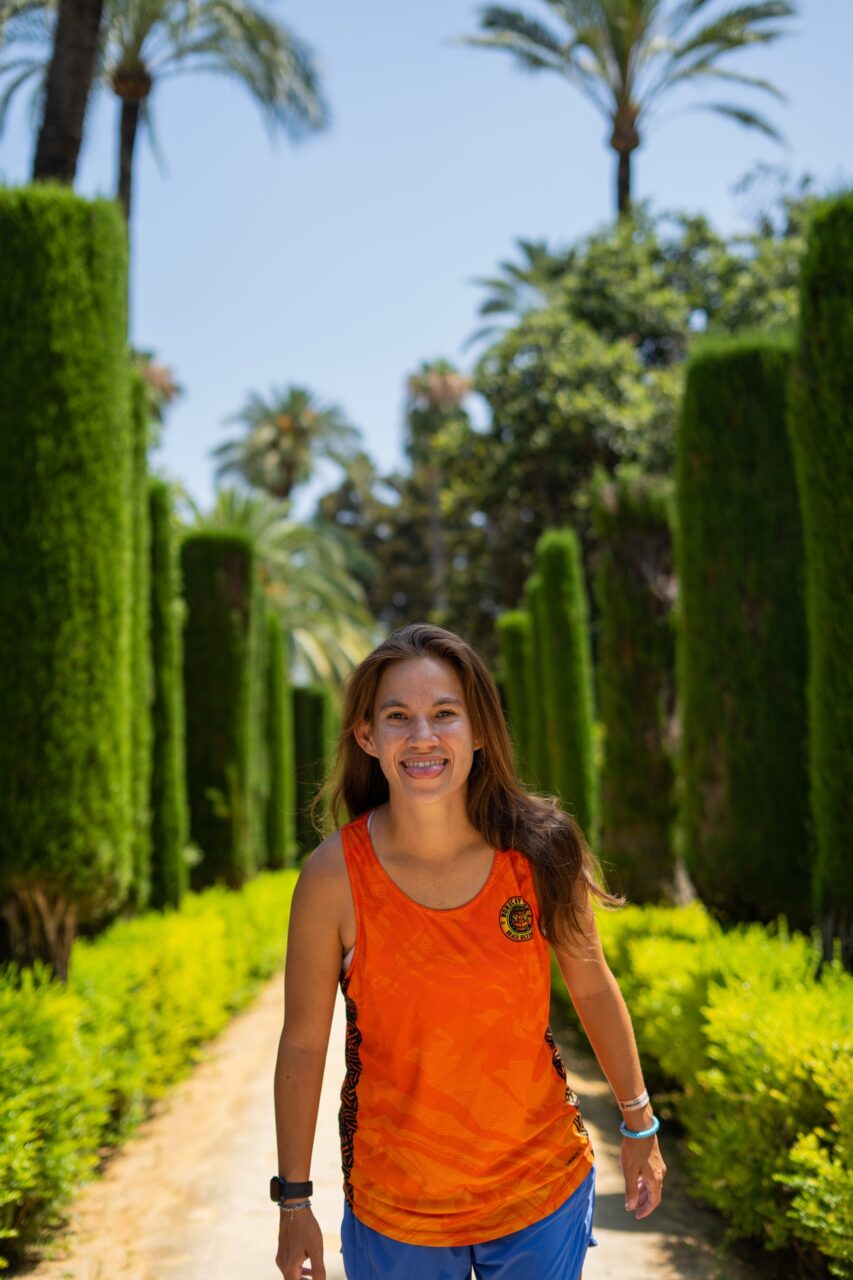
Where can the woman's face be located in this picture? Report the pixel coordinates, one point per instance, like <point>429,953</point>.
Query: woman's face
<point>420,732</point>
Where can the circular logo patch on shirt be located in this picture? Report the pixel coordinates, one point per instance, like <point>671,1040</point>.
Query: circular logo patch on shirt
<point>517,919</point>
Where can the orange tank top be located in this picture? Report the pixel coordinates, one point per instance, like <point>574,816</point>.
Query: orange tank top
<point>457,1122</point>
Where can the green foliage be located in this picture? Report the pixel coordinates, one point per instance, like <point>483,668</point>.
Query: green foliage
<point>281,810</point>
<point>822,436</point>
<point>539,757</point>
<point>633,581</point>
<point>755,1057</point>
<point>169,810</point>
<point>563,624</point>
<point>822,1161</point>
<point>140,645</point>
<point>768,1084</point>
<point>515,629</point>
<point>741,639</point>
<point>80,1065</point>
<point>311,576</point>
<point>223,691</point>
<point>66,549</point>
<point>314,726</point>
<point>591,373</point>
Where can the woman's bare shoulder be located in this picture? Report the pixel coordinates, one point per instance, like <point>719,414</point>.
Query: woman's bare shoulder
<point>325,872</point>
<point>327,860</point>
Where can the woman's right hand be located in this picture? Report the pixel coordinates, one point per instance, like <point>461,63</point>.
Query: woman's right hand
<point>300,1247</point>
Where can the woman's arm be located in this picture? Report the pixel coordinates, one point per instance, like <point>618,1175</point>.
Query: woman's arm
<point>312,970</point>
<point>605,1018</point>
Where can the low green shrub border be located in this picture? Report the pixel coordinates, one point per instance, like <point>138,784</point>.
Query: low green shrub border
<point>759,1058</point>
<point>80,1066</point>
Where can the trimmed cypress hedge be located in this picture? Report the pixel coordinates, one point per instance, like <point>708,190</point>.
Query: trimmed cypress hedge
<point>821,430</point>
<point>515,636</point>
<point>313,735</point>
<point>143,676</point>
<point>741,638</point>
<point>259,762</point>
<point>66,567</point>
<point>633,580</point>
<point>169,811</point>
<point>221,688</point>
<point>281,810</point>
<point>567,676</point>
<point>537,758</point>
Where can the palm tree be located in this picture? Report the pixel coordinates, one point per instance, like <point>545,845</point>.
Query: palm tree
<point>285,435</point>
<point>143,42</point>
<point>67,87</point>
<point>520,288</point>
<point>434,394</point>
<point>309,577</point>
<point>625,55</point>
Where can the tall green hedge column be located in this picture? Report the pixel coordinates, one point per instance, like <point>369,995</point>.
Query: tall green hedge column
<point>169,811</point>
<point>66,567</point>
<point>143,686</point>
<point>821,427</point>
<point>223,722</point>
<point>633,582</point>
<point>314,717</point>
<point>567,676</point>
<point>537,737</point>
<point>281,810</point>
<point>741,637</point>
<point>515,633</point>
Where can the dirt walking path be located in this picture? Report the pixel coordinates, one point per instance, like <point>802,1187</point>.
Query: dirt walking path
<point>188,1195</point>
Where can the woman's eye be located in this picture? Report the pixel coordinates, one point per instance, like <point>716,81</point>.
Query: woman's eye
<point>446,712</point>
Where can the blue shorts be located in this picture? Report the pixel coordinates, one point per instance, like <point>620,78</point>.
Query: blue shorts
<point>554,1246</point>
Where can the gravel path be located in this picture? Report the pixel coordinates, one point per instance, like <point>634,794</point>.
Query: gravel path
<point>188,1195</point>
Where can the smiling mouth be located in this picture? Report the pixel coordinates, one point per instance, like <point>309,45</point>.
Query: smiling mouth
<point>429,768</point>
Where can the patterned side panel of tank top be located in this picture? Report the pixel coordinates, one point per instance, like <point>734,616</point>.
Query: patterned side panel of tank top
<point>348,1113</point>
<point>572,1098</point>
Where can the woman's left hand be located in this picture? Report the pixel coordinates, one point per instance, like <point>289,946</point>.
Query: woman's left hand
<point>644,1170</point>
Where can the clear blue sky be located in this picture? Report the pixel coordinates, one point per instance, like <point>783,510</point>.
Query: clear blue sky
<point>344,261</point>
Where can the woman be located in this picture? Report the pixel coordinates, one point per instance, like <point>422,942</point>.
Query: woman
<point>433,908</point>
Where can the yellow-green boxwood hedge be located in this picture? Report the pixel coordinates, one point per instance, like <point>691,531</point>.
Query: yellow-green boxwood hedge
<point>757,1057</point>
<point>80,1065</point>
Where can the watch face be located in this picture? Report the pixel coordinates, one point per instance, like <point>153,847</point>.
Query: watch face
<point>275,1188</point>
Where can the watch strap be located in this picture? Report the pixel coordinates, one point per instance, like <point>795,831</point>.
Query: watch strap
<point>281,1189</point>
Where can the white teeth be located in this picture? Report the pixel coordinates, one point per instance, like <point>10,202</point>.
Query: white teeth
<point>422,764</point>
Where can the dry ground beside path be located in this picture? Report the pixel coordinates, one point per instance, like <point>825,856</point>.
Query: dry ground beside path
<point>188,1196</point>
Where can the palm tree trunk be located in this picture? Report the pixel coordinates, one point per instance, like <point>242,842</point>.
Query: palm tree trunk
<point>69,81</point>
<point>127,140</point>
<point>623,182</point>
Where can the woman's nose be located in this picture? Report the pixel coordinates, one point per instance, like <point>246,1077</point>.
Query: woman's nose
<point>420,728</point>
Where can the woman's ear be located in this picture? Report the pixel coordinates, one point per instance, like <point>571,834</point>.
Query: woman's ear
<point>363,734</point>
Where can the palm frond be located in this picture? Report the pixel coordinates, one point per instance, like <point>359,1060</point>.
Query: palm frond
<point>705,68</point>
<point>737,28</point>
<point>750,119</point>
<point>265,56</point>
<point>515,23</point>
<point>146,119</point>
<point>32,67</point>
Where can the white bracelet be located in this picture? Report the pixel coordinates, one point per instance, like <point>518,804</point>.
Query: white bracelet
<point>635,1103</point>
<point>291,1208</point>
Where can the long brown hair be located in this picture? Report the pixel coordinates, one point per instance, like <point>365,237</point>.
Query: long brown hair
<point>506,813</point>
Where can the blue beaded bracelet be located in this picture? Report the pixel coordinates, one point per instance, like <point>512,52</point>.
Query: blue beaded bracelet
<point>640,1133</point>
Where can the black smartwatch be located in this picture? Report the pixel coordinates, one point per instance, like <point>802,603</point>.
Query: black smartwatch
<point>281,1189</point>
